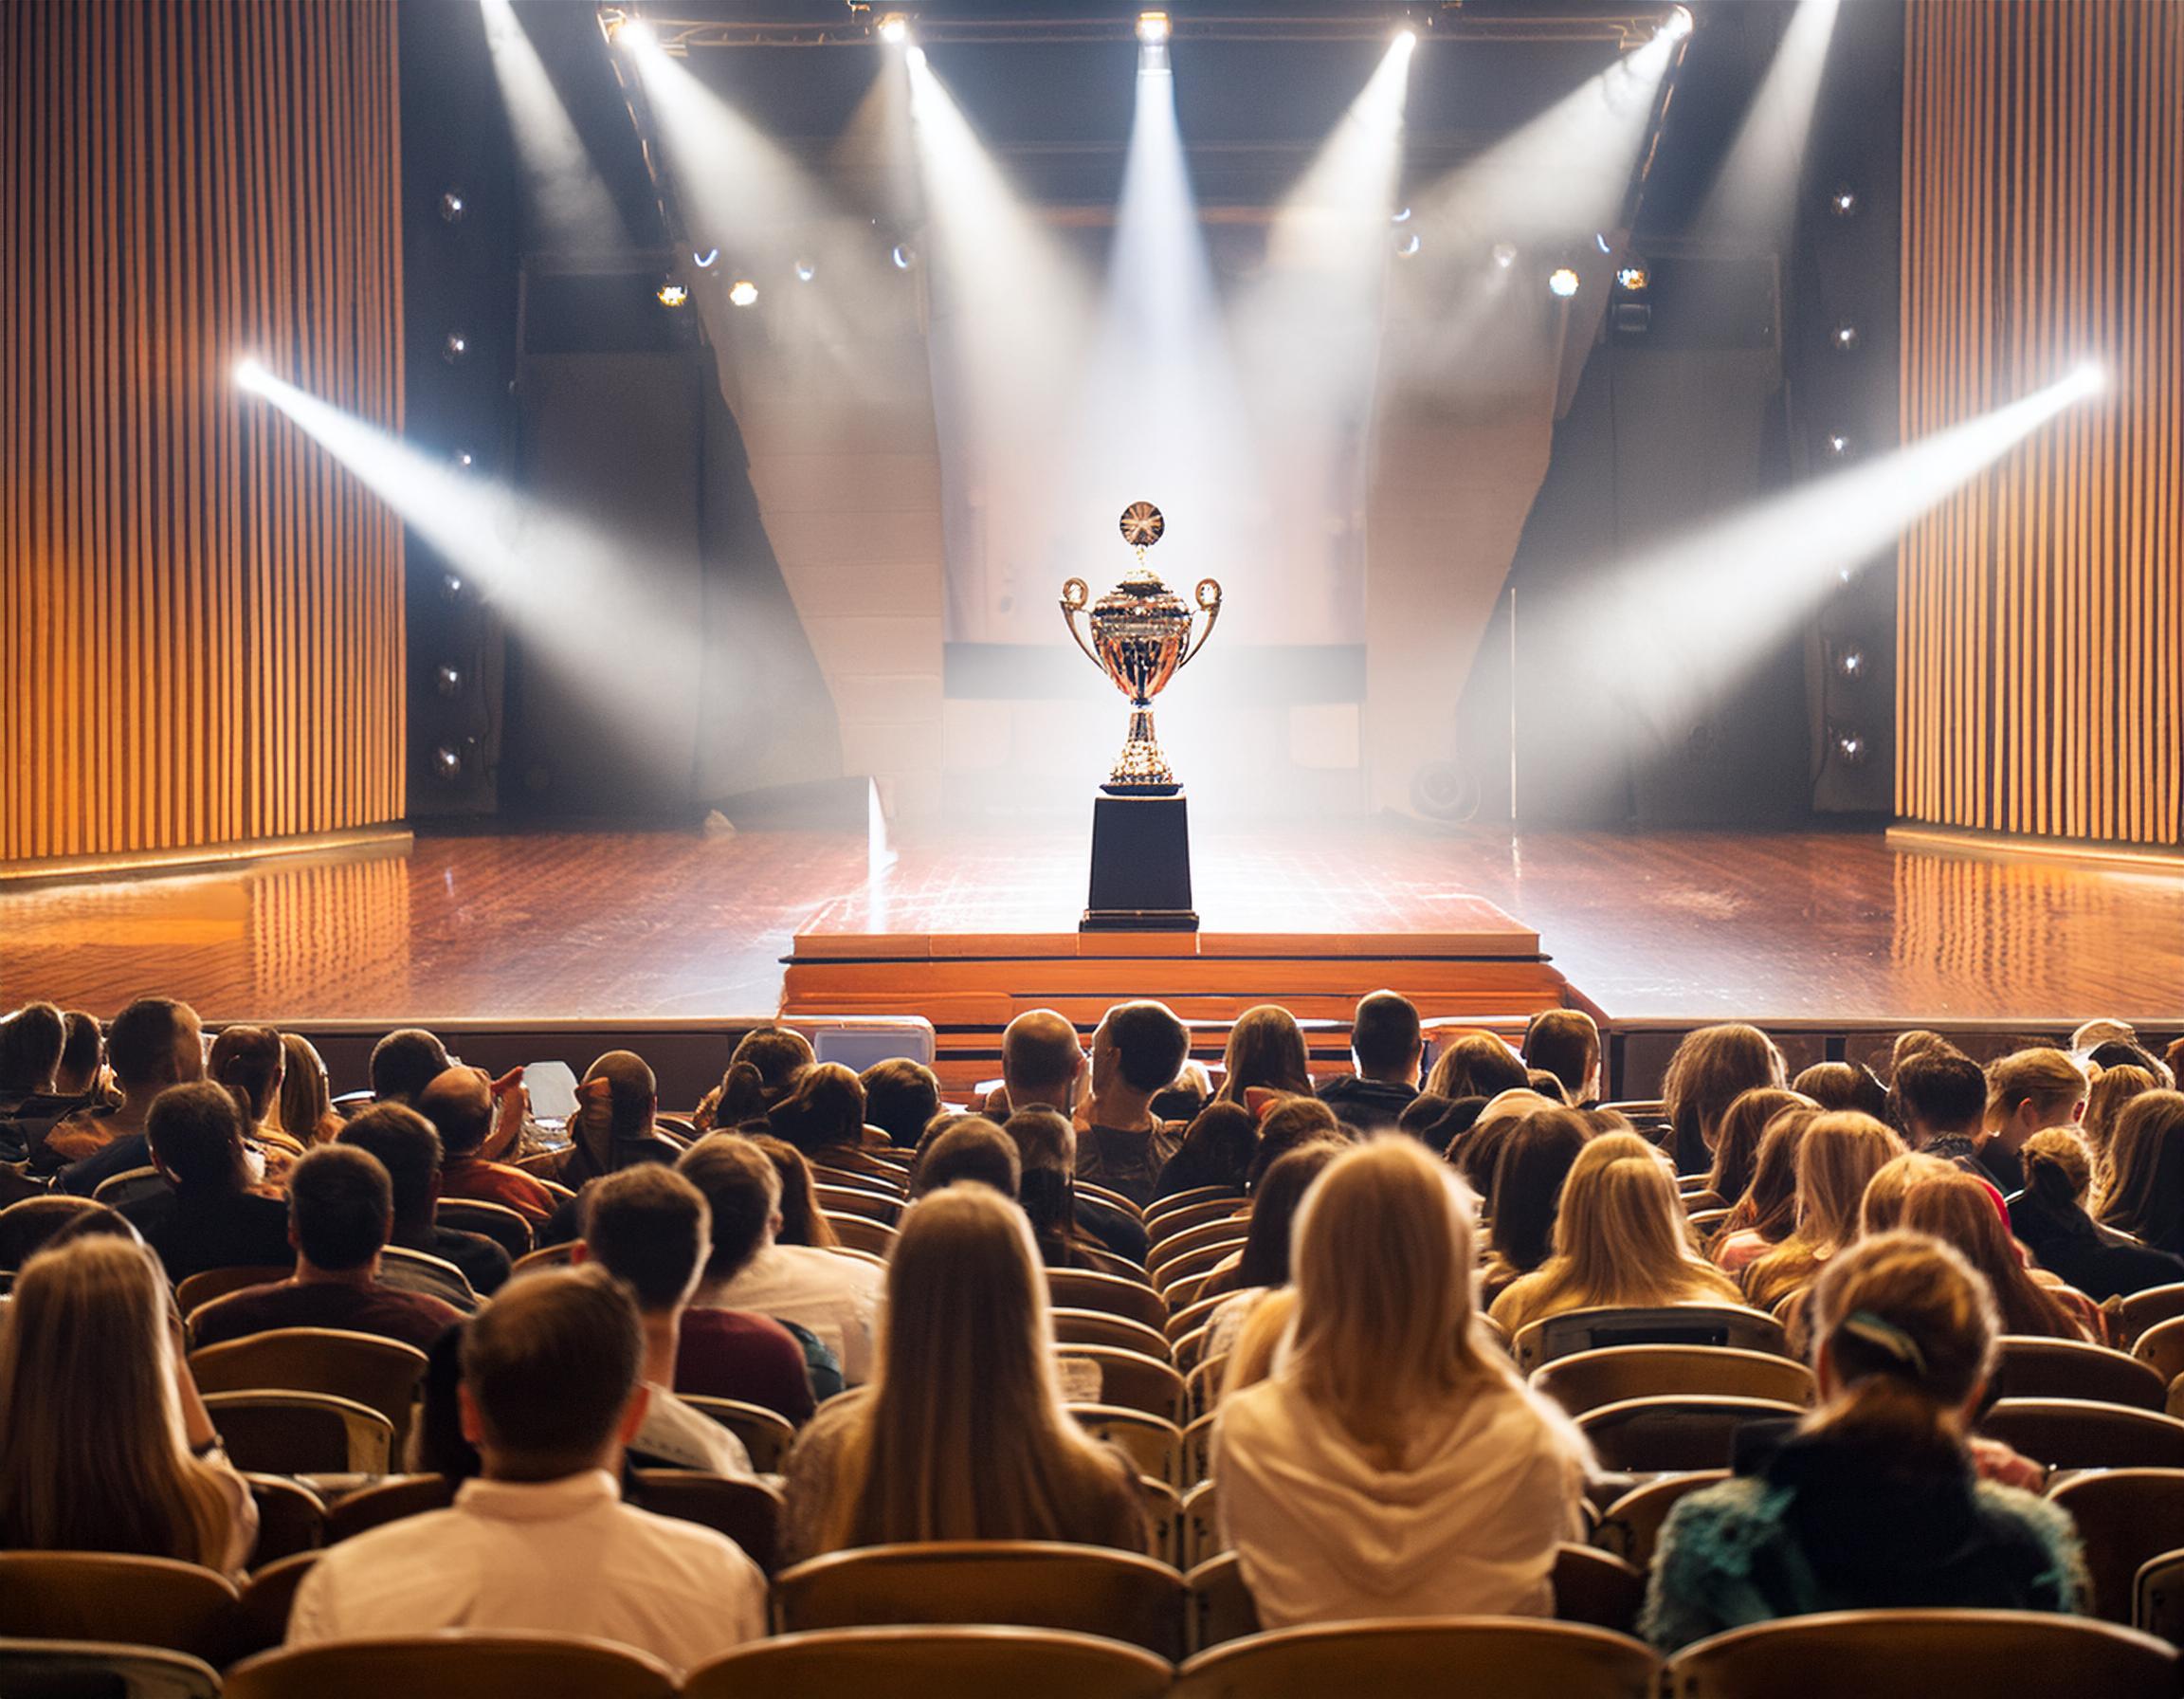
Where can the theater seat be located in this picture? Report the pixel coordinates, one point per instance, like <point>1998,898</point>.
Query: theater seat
<point>2125,1517</point>
<point>1027,1583</point>
<point>748,1512</point>
<point>1588,1380</point>
<point>1153,1446</point>
<point>1094,1327</point>
<point>1631,1525</point>
<point>766,1433</point>
<point>1642,1435</point>
<point>291,1518</point>
<point>2159,1595</point>
<point>2148,1308</point>
<point>933,1663</point>
<point>2063,1368</point>
<point>477,1665</point>
<point>380,1374</point>
<point>207,1284</point>
<point>496,1221</point>
<point>1926,1655</point>
<point>1665,1324</point>
<point>108,1597</point>
<point>301,1434</point>
<point>1597,1587</point>
<point>387,1501</point>
<point>82,1669</point>
<point>1083,1288</point>
<point>1505,1657</point>
<point>2077,1434</point>
<point>268,1596</point>
<point>1132,1381</point>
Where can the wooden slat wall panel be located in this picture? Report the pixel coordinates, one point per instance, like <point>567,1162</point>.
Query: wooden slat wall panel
<point>200,614</point>
<point>2041,608</point>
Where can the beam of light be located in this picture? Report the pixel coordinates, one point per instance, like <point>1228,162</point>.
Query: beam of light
<point>1756,194</point>
<point>1710,603</point>
<point>1010,316</point>
<point>569,203</point>
<point>1308,345</point>
<point>577,597</point>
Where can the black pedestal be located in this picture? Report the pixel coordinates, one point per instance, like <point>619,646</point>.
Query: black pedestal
<point>1140,865</point>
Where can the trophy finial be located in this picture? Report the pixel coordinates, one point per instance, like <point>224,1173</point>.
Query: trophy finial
<point>1142,524</point>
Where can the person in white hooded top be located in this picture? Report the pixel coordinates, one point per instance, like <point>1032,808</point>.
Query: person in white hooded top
<point>1391,1464</point>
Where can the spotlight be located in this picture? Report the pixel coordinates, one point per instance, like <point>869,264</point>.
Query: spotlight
<point>1844,337</point>
<point>1504,254</point>
<point>707,261</point>
<point>1407,245</point>
<point>1600,242</point>
<point>1850,662</point>
<point>1632,280</point>
<point>1842,200</point>
<point>1678,24</point>
<point>1562,282</point>
<point>671,295</point>
<point>1152,26</point>
<point>2089,378</point>
<point>636,34</point>
<point>902,256</point>
<point>450,680</point>
<point>1406,37</point>
<point>249,375</point>
<point>894,28</point>
<point>1838,445</point>
<point>451,586</point>
<point>452,206</point>
<point>914,55</point>
<point>742,292</point>
<point>1401,217</point>
<point>448,764</point>
<point>1850,747</point>
<point>465,460</point>
<point>454,347</point>
<point>806,271</point>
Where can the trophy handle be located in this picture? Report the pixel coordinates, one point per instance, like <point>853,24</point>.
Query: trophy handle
<point>1075,595</point>
<point>1209,605</point>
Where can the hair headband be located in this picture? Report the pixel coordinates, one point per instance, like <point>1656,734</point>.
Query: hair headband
<point>1886,1337</point>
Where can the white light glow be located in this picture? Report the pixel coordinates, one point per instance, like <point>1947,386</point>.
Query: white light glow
<point>1562,282</point>
<point>568,204</point>
<point>1152,26</point>
<point>742,292</point>
<point>1756,192</point>
<point>894,28</point>
<point>250,374</point>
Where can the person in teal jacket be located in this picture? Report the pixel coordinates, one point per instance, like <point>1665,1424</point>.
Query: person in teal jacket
<point>1875,1500</point>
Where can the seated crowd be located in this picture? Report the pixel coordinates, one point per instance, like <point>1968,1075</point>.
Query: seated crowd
<point>916,1321</point>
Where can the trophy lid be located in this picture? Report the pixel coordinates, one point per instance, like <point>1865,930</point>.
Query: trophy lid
<point>1142,524</point>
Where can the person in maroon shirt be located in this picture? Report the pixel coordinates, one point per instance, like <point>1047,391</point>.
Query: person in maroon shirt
<point>340,1212</point>
<point>734,1353</point>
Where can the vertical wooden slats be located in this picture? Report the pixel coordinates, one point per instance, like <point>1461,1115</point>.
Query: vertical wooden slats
<point>200,614</point>
<point>2041,610</point>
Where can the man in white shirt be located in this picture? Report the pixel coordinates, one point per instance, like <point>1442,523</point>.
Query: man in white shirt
<point>650,1229</point>
<point>834,1296</point>
<point>550,1393</point>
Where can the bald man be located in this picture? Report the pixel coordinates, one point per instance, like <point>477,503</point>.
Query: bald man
<point>459,1104</point>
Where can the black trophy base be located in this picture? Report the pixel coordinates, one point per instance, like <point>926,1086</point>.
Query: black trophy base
<point>1140,865</point>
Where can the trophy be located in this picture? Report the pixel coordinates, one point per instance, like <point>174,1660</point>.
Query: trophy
<point>1141,639</point>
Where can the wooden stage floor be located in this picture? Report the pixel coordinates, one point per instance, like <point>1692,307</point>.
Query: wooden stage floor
<point>657,925</point>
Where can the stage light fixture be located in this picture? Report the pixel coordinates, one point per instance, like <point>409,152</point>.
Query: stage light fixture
<point>1678,24</point>
<point>454,346</point>
<point>1850,747</point>
<point>451,586</point>
<point>1406,37</point>
<point>1562,281</point>
<point>1407,245</point>
<point>1838,445</point>
<point>707,261</point>
<point>1402,215</point>
<point>636,34</point>
<point>450,680</point>
<point>249,375</point>
<point>894,28</point>
<point>1504,254</point>
<point>2089,378</point>
<point>1632,280</point>
<point>464,459</point>
<point>446,763</point>
<point>902,256</point>
<point>671,295</point>
<point>1850,662</point>
<point>1152,27</point>
<point>1842,200</point>
<point>452,207</point>
<point>806,271</point>
<point>742,292</point>
<point>1844,337</point>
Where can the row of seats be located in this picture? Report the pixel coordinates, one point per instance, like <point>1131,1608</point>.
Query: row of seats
<point>1881,1654</point>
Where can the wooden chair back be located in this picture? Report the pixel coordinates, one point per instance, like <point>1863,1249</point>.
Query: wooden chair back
<point>932,1663</point>
<point>2161,1349</point>
<point>2125,1517</point>
<point>291,1518</point>
<point>2064,1369</point>
<point>478,1666</point>
<point>128,1187</point>
<point>1588,1380</point>
<point>380,1374</point>
<point>766,1433</point>
<point>507,1228</point>
<point>301,1434</point>
<point>2159,1610</point>
<point>207,1284</point>
<point>1221,1607</point>
<point>860,1233</point>
<point>748,1512</point>
<point>1083,1288</point>
<point>268,1596</point>
<point>1631,1525</point>
<point>2079,1433</point>
<point>79,1669</point>
<point>1506,1656</point>
<point>1154,1447</point>
<point>1073,1327</point>
<point>870,1203</point>
<point>1598,1587</point>
<point>1675,1432</point>
<point>1023,1583</point>
<point>1665,1324</point>
<point>105,1597</point>
<point>1134,1381</point>
<point>391,1500</point>
<point>2145,1310</point>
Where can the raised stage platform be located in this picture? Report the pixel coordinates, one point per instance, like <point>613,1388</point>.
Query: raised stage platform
<point>666,937</point>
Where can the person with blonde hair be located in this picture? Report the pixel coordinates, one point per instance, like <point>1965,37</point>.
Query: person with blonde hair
<point>1964,1213</point>
<point>104,1444</point>
<point>1767,1213</point>
<point>2106,1102</point>
<point>1621,1242</point>
<point>962,1435</point>
<point>1838,1157</point>
<point>306,1103</point>
<point>1737,1138</point>
<point>2028,1090</point>
<point>2145,1194</point>
<point>1873,1500</point>
<point>1393,1463</point>
<point>2051,1219</point>
<point>1711,1068</point>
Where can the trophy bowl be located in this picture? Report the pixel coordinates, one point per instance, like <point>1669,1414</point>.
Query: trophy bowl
<point>1141,638</point>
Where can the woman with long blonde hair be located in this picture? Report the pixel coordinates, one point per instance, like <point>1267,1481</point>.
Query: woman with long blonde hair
<point>1621,1242</point>
<point>962,1434</point>
<point>306,1102</point>
<point>2111,1094</point>
<point>104,1444</point>
<point>1839,1156</point>
<point>1393,1464</point>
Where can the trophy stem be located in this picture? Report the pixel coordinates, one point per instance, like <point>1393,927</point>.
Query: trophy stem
<point>1142,770</point>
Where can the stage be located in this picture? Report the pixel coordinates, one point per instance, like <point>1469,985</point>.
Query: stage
<point>1797,930</point>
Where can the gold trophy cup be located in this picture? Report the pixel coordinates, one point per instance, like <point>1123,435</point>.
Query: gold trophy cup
<point>1141,639</point>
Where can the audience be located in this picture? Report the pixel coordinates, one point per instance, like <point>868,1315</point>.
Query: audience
<point>1965,1214</point>
<point>651,1229</point>
<point>616,1124</point>
<point>404,1063</point>
<point>249,1062</point>
<point>823,1116</point>
<point>1042,1064</point>
<point>409,1150</point>
<point>104,1444</point>
<point>1872,1501</point>
<point>1841,1150</point>
<point>307,1104</point>
<point>911,1458</point>
<point>340,1214</point>
<point>1767,1213</point>
<point>2110,1093</point>
<point>1477,1064</point>
<point>901,1096</point>
<point>834,1296</point>
<point>1737,1138</point>
<point>1566,1043</point>
<point>763,1065</point>
<point>2145,1195</point>
<point>1217,1150</point>
<point>1939,1098</point>
<point>1386,1046</point>
<point>208,1217</point>
<point>1265,1054</point>
<point>83,1057</point>
<point>802,1220</point>
<point>726,1352</point>
<point>1528,1179</point>
<point>1136,1050</point>
<point>1263,1266</point>
<point>970,1149</point>
<point>1620,1241</point>
<point>551,1389</point>
<point>1844,1085</point>
<point>1393,1464</point>
<point>2028,1092</point>
<point>459,1104</point>
<point>1711,1068</point>
<point>32,1042</point>
<point>153,1044</point>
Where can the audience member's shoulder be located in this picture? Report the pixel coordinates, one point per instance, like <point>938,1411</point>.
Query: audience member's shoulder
<point>852,1272</point>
